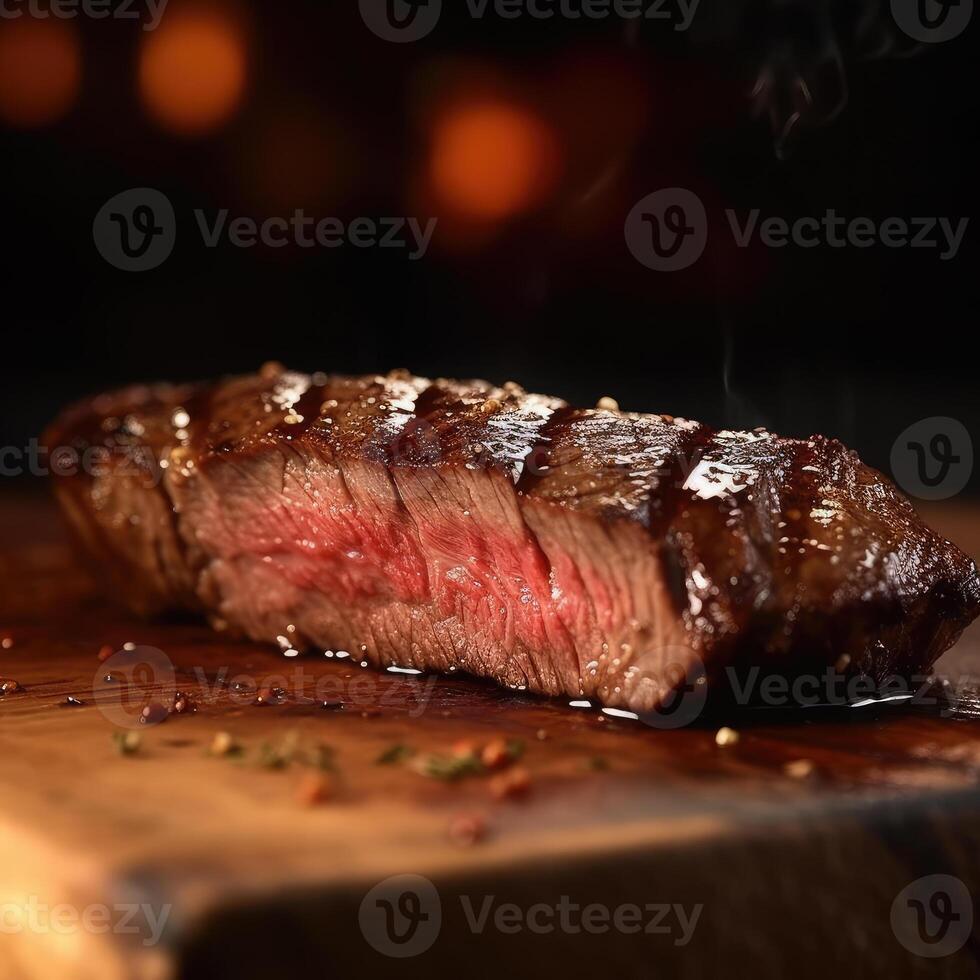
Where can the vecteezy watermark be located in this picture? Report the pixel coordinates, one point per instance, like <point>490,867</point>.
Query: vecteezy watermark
<point>137,686</point>
<point>136,231</point>
<point>668,230</point>
<point>403,916</point>
<point>834,688</point>
<point>148,11</point>
<point>932,21</point>
<point>677,690</point>
<point>933,916</point>
<point>124,457</point>
<point>933,458</point>
<point>403,21</point>
<point>130,681</point>
<point>123,918</point>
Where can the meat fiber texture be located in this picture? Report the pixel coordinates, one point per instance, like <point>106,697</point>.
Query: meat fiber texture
<point>457,526</point>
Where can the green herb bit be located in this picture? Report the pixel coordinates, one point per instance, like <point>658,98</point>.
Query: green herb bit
<point>448,767</point>
<point>398,752</point>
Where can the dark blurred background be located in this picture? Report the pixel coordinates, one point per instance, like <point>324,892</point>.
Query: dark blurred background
<point>530,140</point>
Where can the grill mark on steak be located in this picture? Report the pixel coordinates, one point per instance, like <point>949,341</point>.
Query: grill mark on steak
<point>457,525</point>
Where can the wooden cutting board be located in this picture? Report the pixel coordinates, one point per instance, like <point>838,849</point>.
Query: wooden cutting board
<point>794,841</point>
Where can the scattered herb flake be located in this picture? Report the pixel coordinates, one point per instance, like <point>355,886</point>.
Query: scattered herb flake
<point>321,757</point>
<point>398,752</point>
<point>447,767</point>
<point>278,756</point>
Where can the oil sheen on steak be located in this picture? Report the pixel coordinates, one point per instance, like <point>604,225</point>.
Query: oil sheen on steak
<point>449,525</point>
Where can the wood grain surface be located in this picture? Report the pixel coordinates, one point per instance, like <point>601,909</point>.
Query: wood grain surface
<point>795,839</point>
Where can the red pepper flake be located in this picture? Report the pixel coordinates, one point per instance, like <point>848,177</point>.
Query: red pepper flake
<point>9,687</point>
<point>500,753</point>
<point>514,782</point>
<point>467,829</point>
<point>465,747</point>
<point>105,652</point>
<point>315,788</point>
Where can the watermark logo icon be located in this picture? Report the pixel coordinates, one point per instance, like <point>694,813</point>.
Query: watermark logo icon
<point>130,680</point>
<point>136,230</point>
<point>932,21</point>
<point>933,916</point>
<point>667,230</point>
<point>680,686</point>
<point>401,916</point>
<point>401,21</point>
<point>933,459</point>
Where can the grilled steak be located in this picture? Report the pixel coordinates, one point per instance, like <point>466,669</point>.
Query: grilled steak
<point>451,525</point>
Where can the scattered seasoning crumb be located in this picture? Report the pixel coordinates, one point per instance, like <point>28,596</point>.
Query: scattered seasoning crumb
<point>500,753</point>
<point>541,734</point>
<point>270,757</point>
<point>267,696</point>
<point>799,769</point>
<point>398,752</point>
<point>129,646</point>
<point>597,763</point>
<point>514,782</point>
<point>154,713</point>
<point>9,687</point>
<point>223,744</point>
<point>495,755</point>
<point>105,652</point>
<point>321,757</point>
<point>726,736</point>
<point>278,756</point>
<point>447,767</point>
<point>72,702</point>
<point>183,705</point>
<point>315,788</point>
<point>843,662</point>
<point>467,829</point>
<point>127,743</point>
<point>7,642</point>
<point>330,705</point>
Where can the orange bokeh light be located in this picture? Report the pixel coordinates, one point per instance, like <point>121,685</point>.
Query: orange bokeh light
<point>192,71</point>
<point>492,160</point>
<point>40,70</point>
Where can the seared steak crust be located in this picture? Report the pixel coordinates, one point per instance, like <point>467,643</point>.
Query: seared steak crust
<point>455,525</point>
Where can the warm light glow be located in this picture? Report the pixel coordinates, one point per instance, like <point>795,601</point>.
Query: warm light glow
<point>192,71</point>
<point>492,160</point>
<point>40,70</point>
